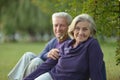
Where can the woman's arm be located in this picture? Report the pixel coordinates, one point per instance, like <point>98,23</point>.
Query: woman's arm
<point>45,67</point>
<point>95,61</point>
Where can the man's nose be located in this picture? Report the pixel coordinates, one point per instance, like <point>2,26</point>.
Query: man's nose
<point>58,28</point>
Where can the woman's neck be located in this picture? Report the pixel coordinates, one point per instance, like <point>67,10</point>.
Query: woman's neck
<point>75,44</point>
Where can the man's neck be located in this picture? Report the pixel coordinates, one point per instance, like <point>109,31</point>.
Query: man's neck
<point>63,39</point>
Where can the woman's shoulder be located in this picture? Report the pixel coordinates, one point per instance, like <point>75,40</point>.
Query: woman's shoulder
<point>93,41</point>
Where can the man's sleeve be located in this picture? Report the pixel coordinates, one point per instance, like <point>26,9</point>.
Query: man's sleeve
<point>50,45</point>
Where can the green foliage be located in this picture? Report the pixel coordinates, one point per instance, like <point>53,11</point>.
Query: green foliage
<point>118,53</point>
<point>73,7</point>
<point>24,16</point>
<point>27,14</point>
<point>104,15</point>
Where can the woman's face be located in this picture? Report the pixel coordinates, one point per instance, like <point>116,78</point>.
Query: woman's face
<point>82,31</point>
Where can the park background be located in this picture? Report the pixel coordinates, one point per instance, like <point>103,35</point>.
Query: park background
<point>25,25</point>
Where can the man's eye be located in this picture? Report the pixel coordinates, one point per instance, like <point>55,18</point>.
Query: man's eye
<point>55,25</point>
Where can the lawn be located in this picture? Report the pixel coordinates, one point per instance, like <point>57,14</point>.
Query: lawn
<point>11,52</point>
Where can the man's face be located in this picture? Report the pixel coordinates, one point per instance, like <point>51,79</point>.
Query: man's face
<point>60,27</point>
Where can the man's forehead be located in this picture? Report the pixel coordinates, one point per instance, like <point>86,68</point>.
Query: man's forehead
<point>59,17</point>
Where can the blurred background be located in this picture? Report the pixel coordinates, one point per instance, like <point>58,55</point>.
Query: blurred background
<point>24,21</point>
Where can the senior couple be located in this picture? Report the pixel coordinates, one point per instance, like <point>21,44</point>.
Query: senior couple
<point>74,57</point>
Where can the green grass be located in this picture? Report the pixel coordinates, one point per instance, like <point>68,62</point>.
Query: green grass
<point>11,52</point>
<point>113,71</point>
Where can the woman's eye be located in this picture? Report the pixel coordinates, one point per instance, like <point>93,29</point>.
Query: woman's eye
<point>85,29</point>
<point>77,28</point>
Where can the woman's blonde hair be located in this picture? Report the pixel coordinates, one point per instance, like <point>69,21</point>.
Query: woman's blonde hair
<point>81,18</point>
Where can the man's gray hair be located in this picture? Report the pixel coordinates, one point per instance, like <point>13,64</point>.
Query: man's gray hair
<point>64,15</point>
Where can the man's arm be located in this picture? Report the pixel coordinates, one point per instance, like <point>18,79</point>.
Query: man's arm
<point>50,45</point>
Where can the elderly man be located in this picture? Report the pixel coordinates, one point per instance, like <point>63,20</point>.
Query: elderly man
<point>30,61</point>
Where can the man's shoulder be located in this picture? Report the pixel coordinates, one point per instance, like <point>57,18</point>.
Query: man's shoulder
<point>53,40</point>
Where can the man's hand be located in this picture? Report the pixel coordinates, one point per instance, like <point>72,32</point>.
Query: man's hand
<point>54,54</point>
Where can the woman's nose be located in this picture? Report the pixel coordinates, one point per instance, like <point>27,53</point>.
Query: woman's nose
<point>80,31</point>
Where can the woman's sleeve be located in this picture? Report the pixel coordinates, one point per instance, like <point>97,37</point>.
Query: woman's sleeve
<point>95,61</point>
<point>45,67</point>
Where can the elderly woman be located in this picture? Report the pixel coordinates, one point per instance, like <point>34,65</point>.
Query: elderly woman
<point>80,58</point>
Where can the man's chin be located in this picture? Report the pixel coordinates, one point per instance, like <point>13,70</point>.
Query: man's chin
<point>60,37</point>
